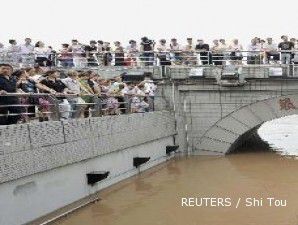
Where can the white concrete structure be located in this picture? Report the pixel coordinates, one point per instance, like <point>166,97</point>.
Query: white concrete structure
<point>43,166</point>
<point>224,133</point>
<point>211,118</point>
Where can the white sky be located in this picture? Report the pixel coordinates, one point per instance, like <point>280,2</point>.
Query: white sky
<point>58,21</point>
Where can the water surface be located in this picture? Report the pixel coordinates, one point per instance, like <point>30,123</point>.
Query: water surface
<point>154,197</point>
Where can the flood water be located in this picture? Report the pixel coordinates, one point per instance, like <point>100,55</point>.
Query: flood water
<point>228,185</point>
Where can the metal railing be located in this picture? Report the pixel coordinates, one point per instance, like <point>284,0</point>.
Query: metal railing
<point>27,107</point>
<point>246,71</point>
<point>149,58</point>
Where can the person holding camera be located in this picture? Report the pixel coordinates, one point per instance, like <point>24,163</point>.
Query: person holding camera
<point>147,54</point>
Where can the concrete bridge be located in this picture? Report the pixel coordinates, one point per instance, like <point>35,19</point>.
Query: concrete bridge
<point>216,119</point>
<point>55,158</point>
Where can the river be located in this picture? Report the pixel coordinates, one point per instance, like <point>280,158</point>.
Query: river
<point>251,188</point>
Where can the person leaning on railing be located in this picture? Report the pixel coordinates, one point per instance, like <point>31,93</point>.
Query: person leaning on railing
<point>271,51</point>
<point>8,103</point>
<point>132,52</point>
<point>286,48</point>
<point>77,103</point>
<point>57,87</point>
<point>87,91</point>
<point>236,55</point>
<point>217,53</point>
<point>203,50</point>
<point>146,48</point>
<point>26,84</point>
<point>253,54</point>
<point>65,56</point>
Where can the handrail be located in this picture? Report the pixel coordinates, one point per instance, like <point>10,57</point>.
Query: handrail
<point>54,108</point>
<point>148,58</point>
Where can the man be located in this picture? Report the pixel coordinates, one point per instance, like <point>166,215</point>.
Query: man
<point>100,52</point>
<point>8,85</point>
<point>146,48</point>
<point>189,57</point>
<point>175,51</point>
<point>285,47</point>
<point>203,50</point>
<point>107,55</point>
<point>236,52</point>
<point>77,50</point>
<point>217,53</point>
<point>253,54</point>
<point>56,86</point>
<point>26,52</point>
<point>13,51</point>
<point>163,54</point>
<point>293,40</point>
<point>2,53</point>
<point>119,54</point>
<point>149,89</point>
<point>224,49</point>
<point>271,51</point>
<point>91,50</point>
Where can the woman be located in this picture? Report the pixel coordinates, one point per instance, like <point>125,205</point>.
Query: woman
<point>87,92</point>
<point>107,55</point>
<point>163,53</point>
<point>65,56</point>
<point>29,85</point>
<point>132,52</point>
<point>77,103</point>
<point>42,54</point>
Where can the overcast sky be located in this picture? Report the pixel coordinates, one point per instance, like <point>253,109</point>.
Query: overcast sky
<point>58,21</point>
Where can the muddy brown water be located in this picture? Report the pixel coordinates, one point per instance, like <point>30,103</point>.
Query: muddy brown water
<point>155,196</point>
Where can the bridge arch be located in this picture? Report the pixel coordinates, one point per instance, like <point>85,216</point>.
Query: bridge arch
<point>226,132</point>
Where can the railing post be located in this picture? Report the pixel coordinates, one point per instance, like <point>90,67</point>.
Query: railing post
<point>97,106</point>
<point>56,112</point>
<point>127,103</point>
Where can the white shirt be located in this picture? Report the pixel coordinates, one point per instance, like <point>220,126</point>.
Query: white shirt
<point>189,48</point>
<point>149,87</point>
<point>253,48</point>
<point>161,48</point>
<point>72,85</point>
<point>175,47</point>
<point>77,49</point>
<point>270,47</point>
<point>26,49</point>
<point>223,48</point>
<point>234,47</point>
<point>2,50</point>
<point>132,49</point>
<point>41,52</point>
<point>137,91</point>
<point>13,49</point>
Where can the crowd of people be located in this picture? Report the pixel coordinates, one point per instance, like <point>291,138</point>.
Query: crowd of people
<point>76,94</point>
<point>148,52</point>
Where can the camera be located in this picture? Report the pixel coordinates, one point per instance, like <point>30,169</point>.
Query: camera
<point>146,41</point>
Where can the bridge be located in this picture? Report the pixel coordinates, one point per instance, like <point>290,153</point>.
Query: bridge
<point>74,159</point>
<point>214,118</point>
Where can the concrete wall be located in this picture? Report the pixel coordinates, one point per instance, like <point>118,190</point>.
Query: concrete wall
<point>44,165</point>
<point>32,148</point>
<point>201,103</point>
<point>223,135</point>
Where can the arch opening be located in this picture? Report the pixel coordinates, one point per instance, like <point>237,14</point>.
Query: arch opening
<point>238,130</point>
